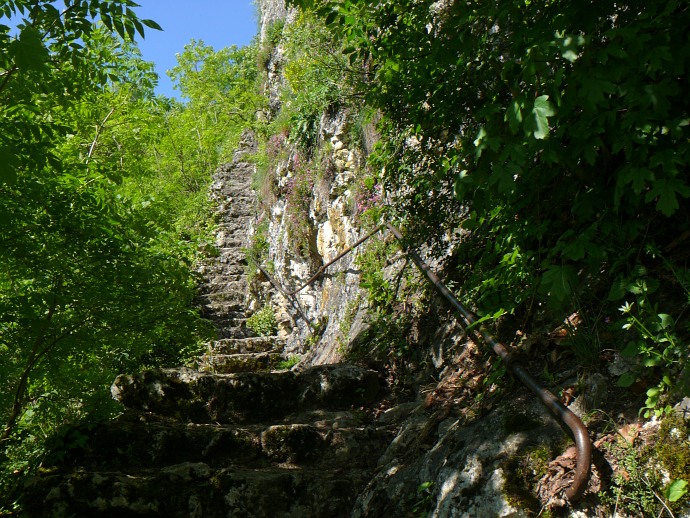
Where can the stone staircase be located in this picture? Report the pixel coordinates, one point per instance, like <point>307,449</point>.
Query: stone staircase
<point>231,438</point>
<point>224,287</point>
<point>196,444</point>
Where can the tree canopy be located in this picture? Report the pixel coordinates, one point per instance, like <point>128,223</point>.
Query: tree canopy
<point>102,209</point>
<point>555,138</point>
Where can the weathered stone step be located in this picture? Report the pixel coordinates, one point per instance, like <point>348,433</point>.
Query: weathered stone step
<point>228,330</point>
<point>245,345</point>
<point>195,490</point>
<point>231,244</point>
<point>235,211</point>
<point>239,362</point>
<point>142,441</point>
<point>226,287</point>
<point>221,297</point>
<point>238,199</point>
<point>245,397</point>
<point>213,270</point>
<point>220,309</point>
<point>232,227</point>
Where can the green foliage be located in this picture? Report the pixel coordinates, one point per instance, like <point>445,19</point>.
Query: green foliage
<point>526,468</point>
<point>289,363</point>
<point>538,120</point>
<point>424,498</point>
<point>346,322</point>
<point>103,210</point>
<point>315,76</point>
<point>641,485</point>
<point>298,195</point>
<point>634,492</point>
<point>672,449</point>
<point>372,262</point>
<point>257,253</point>
<point>652,342</point>
<point>263,322</point>
<point>395,297</point>
<point>553,138</point>
<point>274,33</point>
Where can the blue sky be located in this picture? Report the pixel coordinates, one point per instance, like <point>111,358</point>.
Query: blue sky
<point>219,23</point>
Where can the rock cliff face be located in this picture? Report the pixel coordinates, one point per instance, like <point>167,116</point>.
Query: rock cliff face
<point>336,296</point>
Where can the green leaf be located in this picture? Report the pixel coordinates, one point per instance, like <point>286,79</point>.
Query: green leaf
<point>618,289</point>
<point>631,350</point>
<point>513,116</point>
<point>676,490</point>
<point>152,24</point>
<point>140,28</point>
<point>28,50</point>
<point>8,163</point>
<point>558,282</point>
<point>667,321</point>
<point>666,191</point>
<point>331,17</point>
<point>129,27</point>
<point>542,110</point>
<point>626,380</point>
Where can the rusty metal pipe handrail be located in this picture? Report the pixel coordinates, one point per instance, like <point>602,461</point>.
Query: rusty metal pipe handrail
<point>342,254</point>
<point>574,423</point>
<point>291,298</point>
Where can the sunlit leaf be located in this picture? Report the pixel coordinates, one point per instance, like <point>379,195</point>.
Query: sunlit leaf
<point>676,490</point>
<point>539,122</point>
<point>152,24</point>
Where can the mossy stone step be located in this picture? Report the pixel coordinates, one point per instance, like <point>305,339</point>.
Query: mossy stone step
<point>194,396</point>
<point>195,490</point>
<point>138,441</point>
<point>245,345</point>
<point>239,362</point>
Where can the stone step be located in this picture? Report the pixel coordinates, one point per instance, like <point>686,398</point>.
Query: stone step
<point>141,441</point>
<point>239,211</point>
<point>215,269</point>
<point>245,397</point>
<point>221,297</point>
<point>218,280</point>
<point>229,331</point>
<point>231,248</point>
<point>220,288</point>
<point>215,283</point>
<point>231,244</point>
<point>237,199</point>
<point>195,490</point>
<point>228,225</point>
<point>220,309</point>
<point>242,362</point>
<point>245,345</point>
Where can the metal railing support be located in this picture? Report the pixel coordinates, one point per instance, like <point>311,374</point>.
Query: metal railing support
<point>337,258</point>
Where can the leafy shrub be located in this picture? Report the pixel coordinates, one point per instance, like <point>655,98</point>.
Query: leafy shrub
<point>263,322</point>
<point>257,252</point>
<point>289,363</point>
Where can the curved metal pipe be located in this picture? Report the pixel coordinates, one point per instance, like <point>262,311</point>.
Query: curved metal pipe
<point>558,409</point>
<point>342,254</point>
